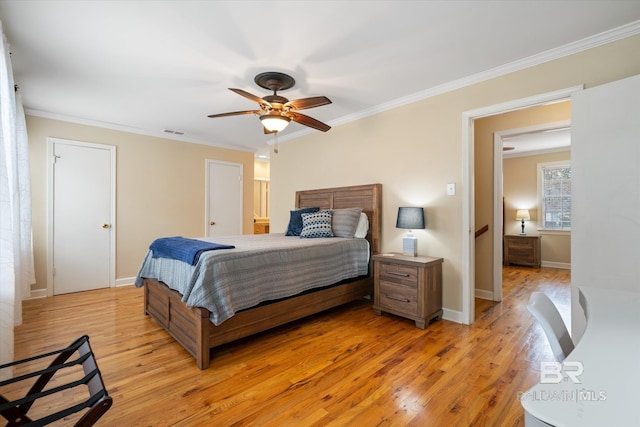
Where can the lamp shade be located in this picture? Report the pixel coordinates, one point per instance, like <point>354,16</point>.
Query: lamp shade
<point>274,122</point>
<point>410,218</point>
<point>523,214</point>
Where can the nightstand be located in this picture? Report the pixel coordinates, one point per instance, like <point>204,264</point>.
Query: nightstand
<point>408,286</point>
<point>522,250</point>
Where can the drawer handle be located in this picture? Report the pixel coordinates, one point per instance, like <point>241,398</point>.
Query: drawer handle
<point>395,273</point>
<point>397,298</point>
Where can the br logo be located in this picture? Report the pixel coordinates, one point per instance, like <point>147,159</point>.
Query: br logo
<point>555,372</point>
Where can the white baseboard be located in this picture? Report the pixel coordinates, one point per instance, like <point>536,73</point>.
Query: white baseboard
<point>563,265</point>
<point>38,293</point>
<point>483,294</point>
<point>452,315</point>
<point>125,281</point>
<point>42,293</point>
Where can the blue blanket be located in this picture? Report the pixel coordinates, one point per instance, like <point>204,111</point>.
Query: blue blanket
<point>183,249</point>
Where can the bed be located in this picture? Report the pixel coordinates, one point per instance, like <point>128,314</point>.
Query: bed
<point>192,326</point>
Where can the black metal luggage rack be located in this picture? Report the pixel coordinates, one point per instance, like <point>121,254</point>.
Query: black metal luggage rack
<point>60,370</point>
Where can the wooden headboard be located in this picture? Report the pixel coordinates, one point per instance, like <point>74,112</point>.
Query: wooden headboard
<point>367,197</point>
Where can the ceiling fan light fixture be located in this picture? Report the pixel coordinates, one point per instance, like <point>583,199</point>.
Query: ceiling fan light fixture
<point>277,111</point>
<point>274,122</point>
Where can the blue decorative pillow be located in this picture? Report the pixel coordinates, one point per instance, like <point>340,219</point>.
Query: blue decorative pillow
<point>295,221</point>
<point>317,224</point>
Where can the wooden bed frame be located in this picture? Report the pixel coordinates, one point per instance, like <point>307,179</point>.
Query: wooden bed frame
<point>190,326</point>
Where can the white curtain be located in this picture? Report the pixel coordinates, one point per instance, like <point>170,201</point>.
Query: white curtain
<point>16,254</point>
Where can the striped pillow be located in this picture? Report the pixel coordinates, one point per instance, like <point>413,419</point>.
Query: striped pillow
<point>345,222</point>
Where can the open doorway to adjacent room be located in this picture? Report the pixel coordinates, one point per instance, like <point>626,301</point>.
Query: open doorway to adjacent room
<point>516,144</point>
<point>483,265</point>
<point>261,201</point>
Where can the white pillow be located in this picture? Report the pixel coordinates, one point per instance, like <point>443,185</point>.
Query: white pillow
<point>363,226</point>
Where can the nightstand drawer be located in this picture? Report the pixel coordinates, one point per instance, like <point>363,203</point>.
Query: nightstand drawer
<point>398,298</point>
<point>524,255</point>
<point>521,244</point>
<point>398,273</point>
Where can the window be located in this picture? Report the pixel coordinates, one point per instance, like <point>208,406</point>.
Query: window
<point>554,209</point>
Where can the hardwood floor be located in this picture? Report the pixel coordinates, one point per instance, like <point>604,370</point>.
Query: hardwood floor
<point>346,366</point>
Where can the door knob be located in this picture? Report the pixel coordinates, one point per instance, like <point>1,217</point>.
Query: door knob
<point>212,223</point>
<point>105,226</point>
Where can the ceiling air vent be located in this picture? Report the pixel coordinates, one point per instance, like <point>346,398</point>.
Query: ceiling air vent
<point>174,132</point>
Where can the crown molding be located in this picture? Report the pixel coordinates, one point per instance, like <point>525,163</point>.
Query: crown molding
<point>600,39</point>
<point>129,129</point>
<point>591,42</point>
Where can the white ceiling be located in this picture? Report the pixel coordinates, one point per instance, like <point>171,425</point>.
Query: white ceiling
<point>145,66</point>
<point>537,142</point>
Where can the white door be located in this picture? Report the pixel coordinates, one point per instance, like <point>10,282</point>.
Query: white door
<point>82,213</point>
<point>605,154</point>
<point>224,198</point>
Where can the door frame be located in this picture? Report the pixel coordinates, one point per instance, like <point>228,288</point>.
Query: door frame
<point>467,316</point>
<point>207,193</point>
<point>50,199</point>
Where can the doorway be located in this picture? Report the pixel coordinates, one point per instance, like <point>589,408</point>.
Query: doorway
<point>81,210</point>
<point>467,315</point>
<point>526,148</point>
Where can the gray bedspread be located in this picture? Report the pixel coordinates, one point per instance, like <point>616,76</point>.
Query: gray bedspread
<point>261,268</point>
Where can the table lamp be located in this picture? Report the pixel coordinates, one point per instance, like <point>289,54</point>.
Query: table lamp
<point>412,219</point>
<point>523,214</point>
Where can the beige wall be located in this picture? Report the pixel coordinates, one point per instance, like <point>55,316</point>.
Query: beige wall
<point>261,169</point>
<point>160,188</point>
<point>415,150</point>
<point>518,184</point>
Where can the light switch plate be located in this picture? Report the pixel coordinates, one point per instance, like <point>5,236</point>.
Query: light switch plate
<point>451,189</point>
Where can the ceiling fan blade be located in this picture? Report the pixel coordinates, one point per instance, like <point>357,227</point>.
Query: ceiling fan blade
<point>250,96</point>
<point>303,103</point>
<point>309,121</point>
<point>235,113</point>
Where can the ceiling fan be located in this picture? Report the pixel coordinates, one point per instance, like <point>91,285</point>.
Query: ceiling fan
<point>277,111</point>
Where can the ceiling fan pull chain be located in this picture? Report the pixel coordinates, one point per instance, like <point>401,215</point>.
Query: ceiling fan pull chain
<point>275,144</point>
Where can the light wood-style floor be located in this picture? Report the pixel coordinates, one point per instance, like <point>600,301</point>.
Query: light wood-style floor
<point>346,366</point>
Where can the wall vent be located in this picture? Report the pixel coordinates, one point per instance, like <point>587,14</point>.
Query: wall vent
<point>174,132</point>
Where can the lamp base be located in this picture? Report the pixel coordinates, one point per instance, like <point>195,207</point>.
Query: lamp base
<point>410,246</point>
